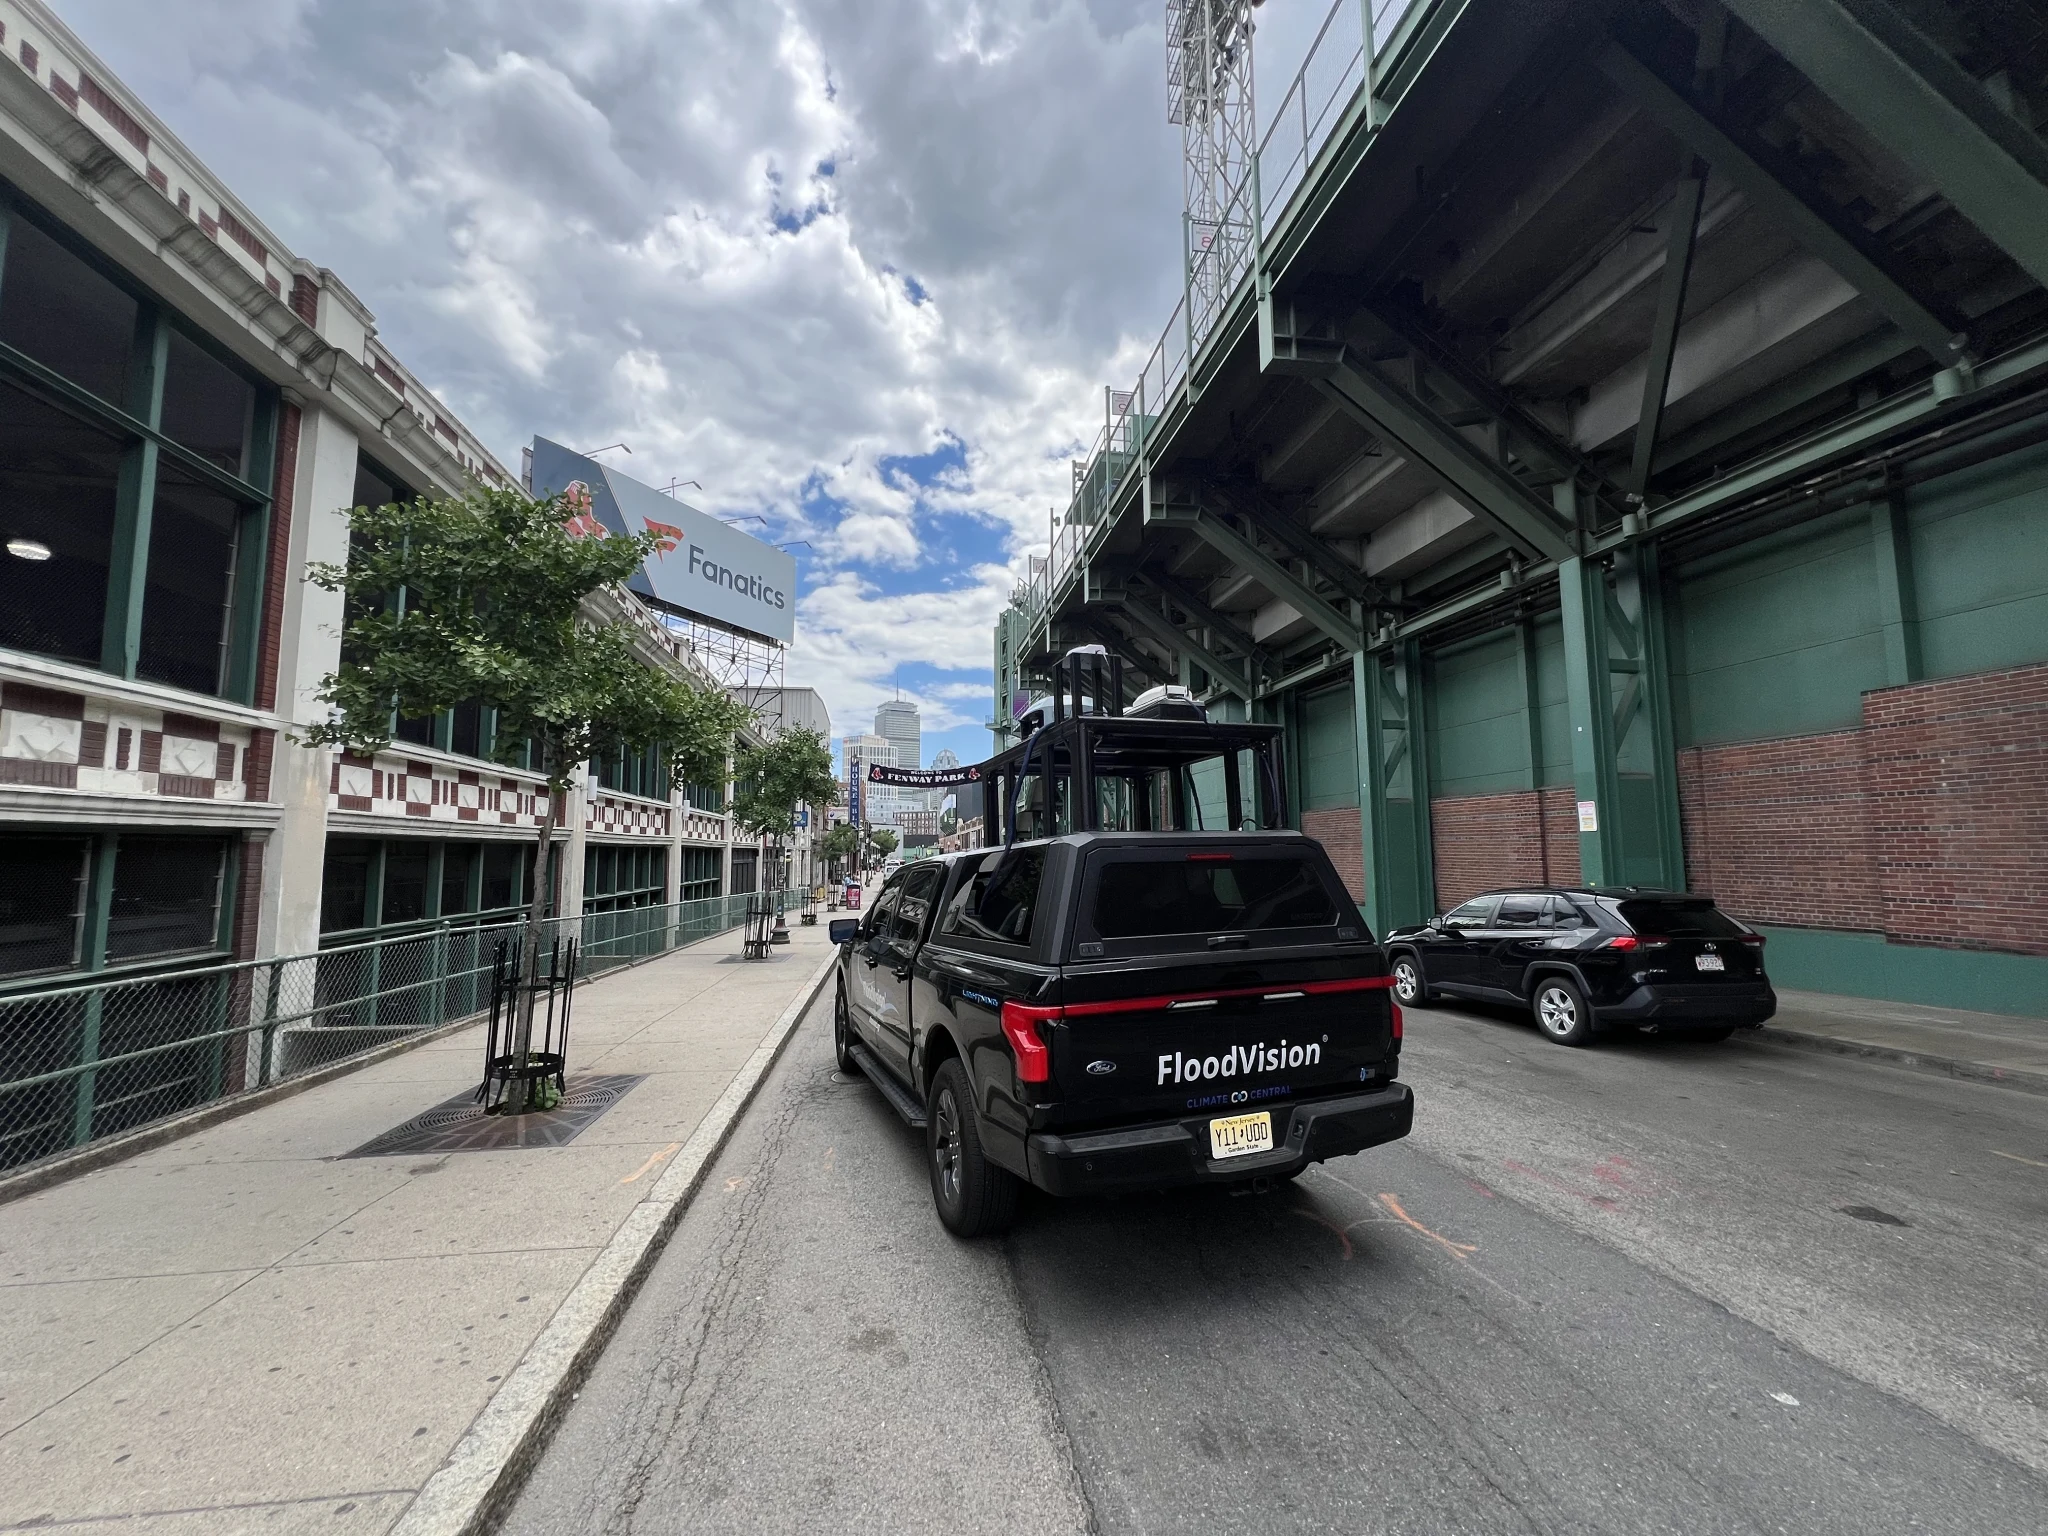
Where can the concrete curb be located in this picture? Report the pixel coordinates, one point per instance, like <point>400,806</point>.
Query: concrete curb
<point>476,1485</point>
<point>1920,1061</point>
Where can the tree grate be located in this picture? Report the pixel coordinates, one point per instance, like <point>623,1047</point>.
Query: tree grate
<point>460,1124</point>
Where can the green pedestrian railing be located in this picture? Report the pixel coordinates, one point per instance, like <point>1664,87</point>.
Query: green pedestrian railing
<point>94,1058</point>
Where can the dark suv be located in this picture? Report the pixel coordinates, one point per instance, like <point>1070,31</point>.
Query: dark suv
<point>1591,957</point>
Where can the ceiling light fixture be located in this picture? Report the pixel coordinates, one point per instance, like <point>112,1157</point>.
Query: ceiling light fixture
<point>28,549</point>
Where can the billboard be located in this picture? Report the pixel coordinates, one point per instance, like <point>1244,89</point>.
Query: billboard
<point>713,572</point>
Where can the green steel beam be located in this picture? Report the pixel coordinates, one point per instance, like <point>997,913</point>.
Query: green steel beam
<point>1182,644</point>
<point>1182,596</point>
<point>1922,106</point>
<point>1285,528</point>
<point>1274,576</point>
<point>1394,827</point>
<point>1679,239</point>
<point>1898,607</point>
<point>1846,247</point>
<point>1582,593</point>
<point>1459,466</point>
<point>1653,679</point>
<point>1123,646</point>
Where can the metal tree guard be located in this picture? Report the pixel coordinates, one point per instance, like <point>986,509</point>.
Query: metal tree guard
<point>546,1059</point>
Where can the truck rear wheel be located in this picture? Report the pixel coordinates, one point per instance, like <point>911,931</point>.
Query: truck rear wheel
<point>974,1197</point>
<point>842,1034</point>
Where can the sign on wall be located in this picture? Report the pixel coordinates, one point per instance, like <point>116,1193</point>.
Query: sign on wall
<point>705,569</point>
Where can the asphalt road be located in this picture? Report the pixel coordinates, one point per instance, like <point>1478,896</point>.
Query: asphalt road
<point>1650,1287</point>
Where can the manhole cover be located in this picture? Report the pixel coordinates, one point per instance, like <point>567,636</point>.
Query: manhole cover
<point>460,1124</point>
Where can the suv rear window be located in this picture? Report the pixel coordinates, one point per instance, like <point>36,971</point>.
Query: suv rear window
<point>998,902</point>
<point>1680,920</point>
<point>1153,898</point>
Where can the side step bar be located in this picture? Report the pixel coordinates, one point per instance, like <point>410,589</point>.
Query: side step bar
<point>898,1096</point>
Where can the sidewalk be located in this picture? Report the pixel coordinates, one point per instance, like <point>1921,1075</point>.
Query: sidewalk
<point>249,1330</point>
<point>1985,1047</point>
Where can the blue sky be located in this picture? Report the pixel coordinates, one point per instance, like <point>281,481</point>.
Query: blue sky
<point>858,267</point>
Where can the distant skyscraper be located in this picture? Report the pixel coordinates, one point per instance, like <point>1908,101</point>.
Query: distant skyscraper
<point>898,721</point>
<point>946,758</point>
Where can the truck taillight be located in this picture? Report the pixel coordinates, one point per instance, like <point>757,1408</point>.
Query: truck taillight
<point>1020,1028</point>
<point>1397,1018</point>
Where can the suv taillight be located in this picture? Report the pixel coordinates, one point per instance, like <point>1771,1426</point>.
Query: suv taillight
<point>1020,1028</point>
<point>1622,941</point>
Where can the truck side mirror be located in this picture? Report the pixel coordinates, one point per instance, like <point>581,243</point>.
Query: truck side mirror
<point>843,930</point>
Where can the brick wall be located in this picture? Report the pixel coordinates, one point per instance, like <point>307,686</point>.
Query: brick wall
<point>1521,837</point>
<point>1957,777</point>
<point>1779,830</point>
<point>1339,832</point>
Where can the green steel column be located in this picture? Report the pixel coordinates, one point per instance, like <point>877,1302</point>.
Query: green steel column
<point>1655,677</point>
<point>1372,790</point>
<point>135,497</point>
<point>1532,703</point>
<point>1898,607</point>
<point>99,904</point>
<point>1421,842</point>
<point>1582,591</point>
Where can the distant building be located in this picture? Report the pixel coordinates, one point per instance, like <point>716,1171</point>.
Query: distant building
<point>898,721</point>
<point>783,708</point>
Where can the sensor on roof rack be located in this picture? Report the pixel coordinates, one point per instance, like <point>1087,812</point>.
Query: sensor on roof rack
<point>1169,701</point>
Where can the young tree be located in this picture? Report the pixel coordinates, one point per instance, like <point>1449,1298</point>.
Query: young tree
<point>478,598</point>
<point>841,843</point>
<point>770,781</point>
<point>882,840</point>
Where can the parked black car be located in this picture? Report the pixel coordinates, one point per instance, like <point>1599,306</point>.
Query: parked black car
<point>1103,1012</point>
<point>1587,958</point>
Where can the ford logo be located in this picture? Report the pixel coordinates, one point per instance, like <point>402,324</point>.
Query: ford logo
<point>1101,1068</point>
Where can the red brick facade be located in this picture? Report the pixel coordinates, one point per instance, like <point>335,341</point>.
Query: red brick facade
<point>1340,833</point>
<point>1928,824</point>
<point>1522,837</point>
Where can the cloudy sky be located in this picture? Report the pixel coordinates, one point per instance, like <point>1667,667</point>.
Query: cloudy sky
<point>859,266</point>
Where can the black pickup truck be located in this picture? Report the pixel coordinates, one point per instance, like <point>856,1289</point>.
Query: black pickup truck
<point>1096,1011</point>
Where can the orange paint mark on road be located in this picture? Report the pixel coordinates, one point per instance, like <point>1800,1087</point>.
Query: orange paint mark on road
<point>738,1182</point>
<point>648,1167</point>
<point>1604,1202</point>
<point>1458,1251</point>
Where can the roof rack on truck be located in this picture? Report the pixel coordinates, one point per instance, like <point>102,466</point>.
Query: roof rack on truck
<point>1088,764</point>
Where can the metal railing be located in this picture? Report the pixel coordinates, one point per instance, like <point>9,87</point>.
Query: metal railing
<point>1316,100</point>
<point>91,1059</point>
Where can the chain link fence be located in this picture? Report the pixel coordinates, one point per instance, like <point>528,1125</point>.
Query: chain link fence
<point>92,1059</point>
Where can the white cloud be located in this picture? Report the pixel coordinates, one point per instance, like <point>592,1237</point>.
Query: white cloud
<point>705,229</point>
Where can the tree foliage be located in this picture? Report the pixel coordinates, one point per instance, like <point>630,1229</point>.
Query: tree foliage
<point>841,842</point>
<point>882,840</point>
<point>478,598</point>
<point>770,781</point>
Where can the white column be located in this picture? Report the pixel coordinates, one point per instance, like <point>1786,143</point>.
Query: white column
<point>309,648</point>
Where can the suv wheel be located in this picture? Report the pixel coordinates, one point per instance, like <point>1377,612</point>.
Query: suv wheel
<point>1561,1011</point>
<point>842,1034</point>
<point>975,1198</point>
<point>1409,986</point>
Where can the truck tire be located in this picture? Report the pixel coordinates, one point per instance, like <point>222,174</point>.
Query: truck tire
<point>842,1034</point>
<point>974,1197</point>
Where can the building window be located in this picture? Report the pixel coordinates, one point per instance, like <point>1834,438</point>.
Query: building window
<point>42,903</point>
<point>187,605</point>
<point>120,467</point>
<point>370,884</point>
<point>60,311</point>
<point>167,896</point>
<point>615,879</point>
<point>705,797</point>
<point>746,877</point>
<point>699,874</point>
<point>58,483</point>
<point>634,772</point>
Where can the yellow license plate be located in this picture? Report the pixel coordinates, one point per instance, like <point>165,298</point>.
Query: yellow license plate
<point>1241,1135</point>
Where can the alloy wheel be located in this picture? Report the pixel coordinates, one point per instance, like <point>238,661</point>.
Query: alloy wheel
<point>946,1146</point>
<point>1557,1011</point>
<point>1407,985</point>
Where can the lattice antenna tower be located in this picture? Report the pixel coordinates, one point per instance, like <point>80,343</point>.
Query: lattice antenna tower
<point>1209,93</point>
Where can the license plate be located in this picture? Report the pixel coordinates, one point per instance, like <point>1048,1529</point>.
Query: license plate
<point>1709,962</point>
<point>1241,1135</point>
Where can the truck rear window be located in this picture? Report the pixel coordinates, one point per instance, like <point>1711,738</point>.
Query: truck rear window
<point>1151,898</point>
<point>1680,920</point>
<point>997,902</point>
